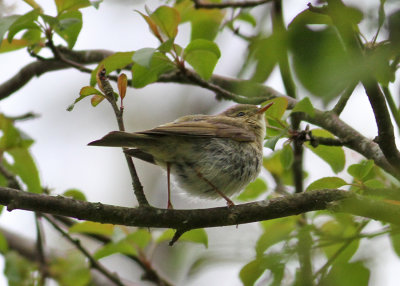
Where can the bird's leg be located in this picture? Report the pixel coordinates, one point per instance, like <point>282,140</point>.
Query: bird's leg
<point>228,200</point>
<point>169,204</point>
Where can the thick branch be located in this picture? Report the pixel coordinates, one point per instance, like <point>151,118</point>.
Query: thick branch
<point>38,68</point>
<point>198,218</point>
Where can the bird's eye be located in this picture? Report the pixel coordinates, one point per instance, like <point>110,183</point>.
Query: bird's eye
<point>240,114</point>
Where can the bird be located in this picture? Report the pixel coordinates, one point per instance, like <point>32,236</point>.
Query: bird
<point>210,156</point>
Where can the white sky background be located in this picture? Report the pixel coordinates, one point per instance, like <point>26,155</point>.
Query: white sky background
<point>65,161</point>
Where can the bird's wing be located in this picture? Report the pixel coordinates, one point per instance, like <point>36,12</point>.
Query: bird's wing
<point>202,128</point>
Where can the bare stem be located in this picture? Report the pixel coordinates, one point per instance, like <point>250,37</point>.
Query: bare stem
<point>137,185</point>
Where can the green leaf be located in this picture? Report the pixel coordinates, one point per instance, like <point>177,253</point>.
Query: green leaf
<point>50,20</point>
<point>335,232</point>
<point>250,273</point>
<point>274,165</point>
<point>326,183</point>
<point>374,184</point>
<point>275,231</point>
<point>167,19</point>
<point>253,190</point>
<point>88,90</point>
<point>5,23</point>
<point>114,62</point>
<point>305,106</point>
<point>271,141</point>
<point>71,5</point>
<point>18,270</point>
<point>14,45</point>
<point>265,53</point>
<point>287,157</point>
<point>75,194</point>
<point>394,29</point>
<point>248,18</point>
<point>12,136</point>
<point>85,92</point>
<point>307,17</point>
<point>332,155</point>
<point>166,46</point>
<point>26,21</point>
<point>142,76</point>
<point>92,227</point>
<point>128,245</point>
<point>123,247</point>
<point>70,270</point>
<point>347,274</point>
<point>3,244</point>
<point>395,239</point>
<point>143,56</point>
<point>360,171</point>
<point>198,235</point>
<point>69,27</point>
<point>140,238</point>
<point>205,23</point>
<point>203,56</point>
<point>320,61</point>
<point>25,167</point>
<point>32,36</point>
<point>277,110</point>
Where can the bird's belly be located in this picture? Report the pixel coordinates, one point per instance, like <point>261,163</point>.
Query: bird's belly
<point>225,165</point>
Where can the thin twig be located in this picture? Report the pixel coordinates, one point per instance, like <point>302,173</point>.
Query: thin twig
<point>94,263</point>
<point>322,270</point>
<point>385,139</point>
<point>149,273</point>
<point>12,181</point>
<point>58,55</point>
<point>242,4</point>
<point>40,250</point>
<point>221,92</point>
<point>340,105</point>
<point>338,240</point>
<point>392,105</point>
<point>109,92</point>
<point>316,140</point>
<point>26,116</point>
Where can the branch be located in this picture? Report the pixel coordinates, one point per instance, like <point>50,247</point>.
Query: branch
<point>337,200</point>
<point>344,98</point>
<point>25,74</point>
<point>242,4</point>
<point>385,138</point>
<point>109,92</point>
<point>392,105</point>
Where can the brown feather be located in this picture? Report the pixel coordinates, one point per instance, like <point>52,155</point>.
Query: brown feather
<point>202,129</point>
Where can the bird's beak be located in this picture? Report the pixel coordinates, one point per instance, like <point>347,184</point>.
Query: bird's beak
<point>264,108</point>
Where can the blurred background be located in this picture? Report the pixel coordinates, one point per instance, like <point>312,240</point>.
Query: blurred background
<point>65,162</point>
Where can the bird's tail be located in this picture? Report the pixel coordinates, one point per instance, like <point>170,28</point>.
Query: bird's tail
<point>121,139</point>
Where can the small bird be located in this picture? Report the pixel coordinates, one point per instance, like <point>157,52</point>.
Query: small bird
<point>209,155</point>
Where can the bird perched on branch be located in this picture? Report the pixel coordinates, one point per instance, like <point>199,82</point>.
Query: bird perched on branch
<point>209,155</point>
